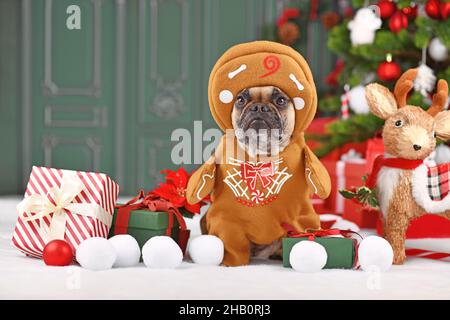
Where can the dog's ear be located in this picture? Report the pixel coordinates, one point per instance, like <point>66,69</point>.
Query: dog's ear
<point>381,101</point>
<point>442,125</point>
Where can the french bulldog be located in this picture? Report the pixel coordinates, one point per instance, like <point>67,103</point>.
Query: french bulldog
<point>263,119</point>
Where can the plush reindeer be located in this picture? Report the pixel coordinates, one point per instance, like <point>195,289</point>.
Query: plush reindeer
<point>406,188</point>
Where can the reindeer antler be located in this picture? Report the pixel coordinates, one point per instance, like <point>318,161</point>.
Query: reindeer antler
<point>439,98</point>
<point>403,85</point>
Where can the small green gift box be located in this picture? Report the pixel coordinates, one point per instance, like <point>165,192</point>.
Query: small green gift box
<point>341,251</point>
<point>143,224</point>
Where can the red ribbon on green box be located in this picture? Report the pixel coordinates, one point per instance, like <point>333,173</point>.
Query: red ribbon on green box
<point>151,202</point>
<point>312,233</point>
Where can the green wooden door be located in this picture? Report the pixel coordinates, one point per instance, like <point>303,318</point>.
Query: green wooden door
<point>71,98</point>
<point>107,96</point>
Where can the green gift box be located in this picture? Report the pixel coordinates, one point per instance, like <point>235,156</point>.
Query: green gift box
<point>144,224</point>
<point>341,251</point>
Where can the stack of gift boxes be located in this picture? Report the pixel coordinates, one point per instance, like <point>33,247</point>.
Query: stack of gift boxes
<point>74,206</point>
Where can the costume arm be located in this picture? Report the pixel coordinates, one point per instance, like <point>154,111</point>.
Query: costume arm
<point>316,175</point>
<point>201,183</point>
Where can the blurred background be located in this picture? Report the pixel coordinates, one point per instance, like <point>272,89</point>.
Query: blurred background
<point>99,85</point>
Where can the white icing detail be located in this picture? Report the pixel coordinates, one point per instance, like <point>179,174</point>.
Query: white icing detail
<point>204,183</point>
<point>421,195</point>
<point>232,74</point>
<point>234,178</point>
<point>299,103</point>
<point>387,181</point>
<point>226,96</point>
<point>297,83</point>
<point>310,180</point>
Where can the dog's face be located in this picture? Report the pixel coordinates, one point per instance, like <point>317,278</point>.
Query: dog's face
<point>264,119</point>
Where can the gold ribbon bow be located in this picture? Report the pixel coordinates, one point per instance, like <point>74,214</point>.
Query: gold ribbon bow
<point>56,212</point>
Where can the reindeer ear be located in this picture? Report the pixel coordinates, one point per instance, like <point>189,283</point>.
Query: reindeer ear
<point>442,125</point>
<point>380,100</point>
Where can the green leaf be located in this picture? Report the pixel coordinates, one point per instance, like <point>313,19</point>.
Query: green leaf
<point>357,3</point>
<point>347,194</point>
<point>373,202</point>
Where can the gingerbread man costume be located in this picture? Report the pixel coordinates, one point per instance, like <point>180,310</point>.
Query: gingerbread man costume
<point>251,199</point>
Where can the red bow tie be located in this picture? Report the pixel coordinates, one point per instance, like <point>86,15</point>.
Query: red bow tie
<point>251,173</point>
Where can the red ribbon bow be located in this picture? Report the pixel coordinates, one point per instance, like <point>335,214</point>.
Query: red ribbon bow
<point>311,234</point>
<point>251,173</point>
<point>151,202</point>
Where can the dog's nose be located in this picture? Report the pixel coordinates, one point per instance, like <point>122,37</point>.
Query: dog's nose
<point>259,108</point>
<point>417,147</point>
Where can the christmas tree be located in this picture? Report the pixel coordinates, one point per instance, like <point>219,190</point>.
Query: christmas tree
<point>376,41</point>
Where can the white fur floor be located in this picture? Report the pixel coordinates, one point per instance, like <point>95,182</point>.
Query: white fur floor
<point>27,278</point>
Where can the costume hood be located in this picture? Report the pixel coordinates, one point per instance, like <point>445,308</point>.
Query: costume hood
<point>262,63</point>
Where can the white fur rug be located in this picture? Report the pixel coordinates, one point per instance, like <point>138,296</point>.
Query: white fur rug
<point>28,278</point>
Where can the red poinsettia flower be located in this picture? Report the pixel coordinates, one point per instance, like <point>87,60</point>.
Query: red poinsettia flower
<point>174,190</point>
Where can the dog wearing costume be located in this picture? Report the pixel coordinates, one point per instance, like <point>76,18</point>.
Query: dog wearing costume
<point>262,175</point>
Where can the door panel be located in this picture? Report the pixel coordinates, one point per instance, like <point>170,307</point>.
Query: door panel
<point>10,130</point>
<point>168,90</point>
<point>72,86</point>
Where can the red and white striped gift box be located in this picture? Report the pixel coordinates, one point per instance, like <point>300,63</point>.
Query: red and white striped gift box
<point>96,194</point>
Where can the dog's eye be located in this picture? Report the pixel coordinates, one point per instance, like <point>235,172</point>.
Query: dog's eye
<point>281,101</point>
<point>240,100</point>
<point>398,123</point>
<point>434,134</point>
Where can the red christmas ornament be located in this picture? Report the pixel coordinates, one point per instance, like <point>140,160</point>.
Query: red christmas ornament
<point>411,11</point>
<point>398,22</point>
<point>387,8</point>
<point>288,13</point>
<point>432,8</point>
<point>57,253</point>
<point>388,70</point>
<point>348,12</point>
<point>445,10</point>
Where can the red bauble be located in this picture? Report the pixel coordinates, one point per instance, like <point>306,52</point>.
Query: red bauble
<point>445,10</point>
<point>411,12</point>
<point>388,71</point>
<point>348,12</point>
<point>432,8</point>
<point>398,22</point>
<point>387,8</point>
<point>57,253</point>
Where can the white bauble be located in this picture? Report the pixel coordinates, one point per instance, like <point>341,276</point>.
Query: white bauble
<point>442,154</point>
<point>162,252</point>
<point>425,80</point>
<point>363,26</point>
<point>375,252</point>
<point>127,250</point>
<point>206,250</point>
<point>357,100</point>
<point>437,50</point>
<point>96,254</point>
<point>308,256</point>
